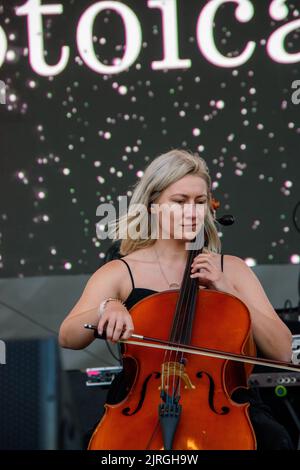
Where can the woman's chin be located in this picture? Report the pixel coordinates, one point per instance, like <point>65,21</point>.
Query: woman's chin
<point>189,234</point>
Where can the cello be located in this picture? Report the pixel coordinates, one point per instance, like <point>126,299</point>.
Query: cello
<point>177,400</point>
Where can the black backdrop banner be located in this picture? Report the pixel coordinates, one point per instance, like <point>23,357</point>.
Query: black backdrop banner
<point>92,91</point>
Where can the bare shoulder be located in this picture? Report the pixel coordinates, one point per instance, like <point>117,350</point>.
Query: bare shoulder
<point>143,255</point>
<point>245,281</point>
<point>103,283</point>
<point>108,276</point>
<point>234,262</point>
<point>236,269</point>
<point>111,269</point>
<point>231,263</point>
<point>248,286</point>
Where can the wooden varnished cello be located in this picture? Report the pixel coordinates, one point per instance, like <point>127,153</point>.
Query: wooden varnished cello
<point>179,400</point>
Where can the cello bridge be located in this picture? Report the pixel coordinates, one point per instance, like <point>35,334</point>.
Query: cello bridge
<point>174,368</point>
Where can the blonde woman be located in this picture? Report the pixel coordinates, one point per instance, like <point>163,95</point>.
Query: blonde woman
<point>154,262</point>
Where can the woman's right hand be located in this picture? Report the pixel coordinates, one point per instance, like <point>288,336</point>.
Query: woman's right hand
<point>118,322</point>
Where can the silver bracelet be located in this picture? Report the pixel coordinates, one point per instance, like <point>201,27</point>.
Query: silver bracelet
<point>103,305</point>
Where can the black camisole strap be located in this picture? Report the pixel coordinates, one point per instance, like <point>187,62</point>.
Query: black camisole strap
<point>132,276</point>
<point>129,271</point>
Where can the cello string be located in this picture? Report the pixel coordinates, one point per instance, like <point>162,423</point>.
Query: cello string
<point>185,316</point>
<point>182,318</point>
<point>169,355</point>
<point>190,287</point>
<point>182,314</point>
<point>187,319</point>
<point>180,321</point>
<point>187,288</point>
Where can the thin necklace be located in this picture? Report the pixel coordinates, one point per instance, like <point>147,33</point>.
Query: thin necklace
<point>173,285</point>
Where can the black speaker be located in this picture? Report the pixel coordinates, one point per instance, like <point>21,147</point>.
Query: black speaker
<point>89,402</point>
<point>36,407</point>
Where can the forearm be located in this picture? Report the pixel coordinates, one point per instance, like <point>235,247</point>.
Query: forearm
<point>271,335</point>
<point>72,333</point>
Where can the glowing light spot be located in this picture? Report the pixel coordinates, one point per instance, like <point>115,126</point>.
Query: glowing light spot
<point>220,104</point>
<point>11,55</point>
<point>295,259</point>
<point>41,195</point>
<point>122,90</point>
<point>255,224</point>
<point>12,97</point>
<point>250,262</point>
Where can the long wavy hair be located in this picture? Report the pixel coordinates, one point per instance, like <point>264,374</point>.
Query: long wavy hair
<point>163,171</point>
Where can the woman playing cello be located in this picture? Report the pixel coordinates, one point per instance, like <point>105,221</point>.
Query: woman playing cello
<point>180,181</point>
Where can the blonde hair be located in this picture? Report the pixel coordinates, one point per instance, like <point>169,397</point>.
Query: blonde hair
<point>163,171</point>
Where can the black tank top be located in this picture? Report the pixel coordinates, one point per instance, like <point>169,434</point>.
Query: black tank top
<point>139,293</point>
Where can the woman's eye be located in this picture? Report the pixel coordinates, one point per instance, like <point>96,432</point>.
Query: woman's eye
<point>198,202</point>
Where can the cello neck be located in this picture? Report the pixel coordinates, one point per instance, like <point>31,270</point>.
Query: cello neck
<point>182,327</point>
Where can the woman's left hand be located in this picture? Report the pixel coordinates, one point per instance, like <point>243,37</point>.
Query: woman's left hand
<point>211,274</point>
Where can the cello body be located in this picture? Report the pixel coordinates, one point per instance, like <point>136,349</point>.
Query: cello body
<point>210,419</point>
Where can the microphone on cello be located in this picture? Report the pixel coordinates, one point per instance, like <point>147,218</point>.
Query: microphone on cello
<point>226,219</point>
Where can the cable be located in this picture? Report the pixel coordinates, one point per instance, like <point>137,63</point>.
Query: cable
<point>119,359</point>
<point>287,305</point>
<point>295,216</point>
